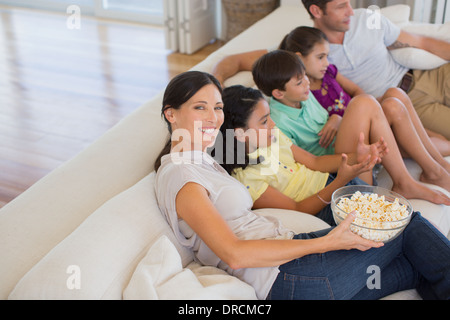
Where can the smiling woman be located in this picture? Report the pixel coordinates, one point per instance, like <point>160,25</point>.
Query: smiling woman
<point>193,111</point>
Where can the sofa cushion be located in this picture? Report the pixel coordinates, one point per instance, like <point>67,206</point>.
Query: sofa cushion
<point>160,275</point>
<point>104,249</point>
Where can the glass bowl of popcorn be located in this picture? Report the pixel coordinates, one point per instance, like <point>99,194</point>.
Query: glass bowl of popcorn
<point>381,214</point>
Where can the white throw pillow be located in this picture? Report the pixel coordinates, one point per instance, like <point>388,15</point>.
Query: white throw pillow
<point>417,59</point>
<point>160,275</point>
<point>414,58</point>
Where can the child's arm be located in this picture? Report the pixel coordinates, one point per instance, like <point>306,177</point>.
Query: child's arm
<point>332,162</point>
<point>326,163</point>
<point>273,198</point>
<point>349,86</point>
<point>329,130</point>
<point>232,64</point>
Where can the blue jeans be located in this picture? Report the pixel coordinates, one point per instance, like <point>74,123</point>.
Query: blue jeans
<point>326,214</point>
<point>418,258</point>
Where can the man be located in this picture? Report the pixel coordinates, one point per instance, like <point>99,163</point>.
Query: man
<point>362,55</point>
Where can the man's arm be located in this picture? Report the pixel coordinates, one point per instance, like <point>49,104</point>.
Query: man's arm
<point>232,64</point>
<point>438,47</point>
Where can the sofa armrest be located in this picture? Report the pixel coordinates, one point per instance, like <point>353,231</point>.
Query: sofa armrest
<point>36,221</point>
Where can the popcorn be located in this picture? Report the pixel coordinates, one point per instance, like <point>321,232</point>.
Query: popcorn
<point>374,213</point>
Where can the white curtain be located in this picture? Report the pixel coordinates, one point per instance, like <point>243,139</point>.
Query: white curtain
<point>431,11</point>
<point>379,3</point>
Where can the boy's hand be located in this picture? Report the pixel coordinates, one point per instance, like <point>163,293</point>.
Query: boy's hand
<point>329,130</point>
<point>376,150</point>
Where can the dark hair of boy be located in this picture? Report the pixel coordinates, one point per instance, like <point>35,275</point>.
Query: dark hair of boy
<point>274,69</point>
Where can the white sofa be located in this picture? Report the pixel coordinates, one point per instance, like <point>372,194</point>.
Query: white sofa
<point>91,229</point>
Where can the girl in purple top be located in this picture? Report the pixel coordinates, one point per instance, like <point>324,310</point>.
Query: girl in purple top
<point>334,91</point>
<point>330,94</point>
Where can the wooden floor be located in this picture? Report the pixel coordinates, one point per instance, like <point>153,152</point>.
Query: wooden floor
<point>61,89</point>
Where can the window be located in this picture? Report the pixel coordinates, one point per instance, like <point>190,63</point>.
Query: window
<point>143,6</point>
<point>436,11</point>
<point>189,24</point>
<point>145,11</point>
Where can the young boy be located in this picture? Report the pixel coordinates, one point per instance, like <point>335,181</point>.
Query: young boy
<point>281,75</point>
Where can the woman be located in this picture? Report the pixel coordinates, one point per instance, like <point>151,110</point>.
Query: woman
<point>209,212</point>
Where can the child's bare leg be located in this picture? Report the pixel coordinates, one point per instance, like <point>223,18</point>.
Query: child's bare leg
<point>436,150</point>
<point>409,141</point>
<point>364,114</point>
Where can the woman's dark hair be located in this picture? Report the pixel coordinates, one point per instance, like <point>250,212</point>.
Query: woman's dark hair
<point>239,103</point>
<point>276,68</point>
<point>303,40</point>
<point>179,90</point>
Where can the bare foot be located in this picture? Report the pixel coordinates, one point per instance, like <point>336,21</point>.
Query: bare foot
<point>416,190</point>
<point>442,180</point>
